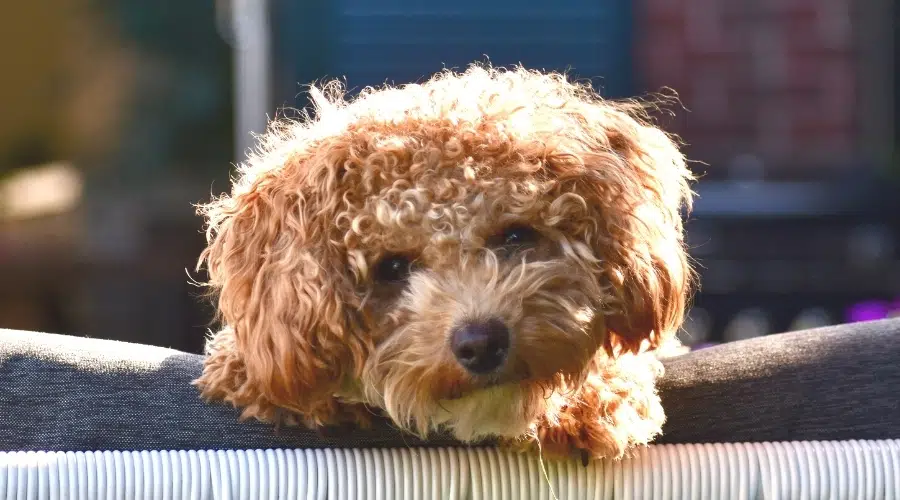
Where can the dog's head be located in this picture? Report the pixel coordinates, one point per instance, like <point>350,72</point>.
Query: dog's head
<point>455,252</point>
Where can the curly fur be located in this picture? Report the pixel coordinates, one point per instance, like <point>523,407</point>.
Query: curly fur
<point>434,172</point>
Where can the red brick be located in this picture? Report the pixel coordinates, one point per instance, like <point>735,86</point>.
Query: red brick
<point>834,24</point>
<point>665,9</point>
<point>786,113</point>
<point>786,7</point>
<point>704,27</point>
<point>805,72</point>
<point>662,58</point>
<point>837,90</point>
<point>799,31</point>
<point>822,145</point>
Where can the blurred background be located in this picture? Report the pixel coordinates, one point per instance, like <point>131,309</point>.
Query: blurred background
<point>117,115</point>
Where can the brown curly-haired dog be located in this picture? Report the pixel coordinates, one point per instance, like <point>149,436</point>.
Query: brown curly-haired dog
<point>495,253</point>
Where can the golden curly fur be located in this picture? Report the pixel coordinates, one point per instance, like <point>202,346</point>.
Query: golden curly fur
<point>438,173</point>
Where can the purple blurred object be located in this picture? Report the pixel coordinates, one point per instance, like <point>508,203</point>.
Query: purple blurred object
<point>868,311</point>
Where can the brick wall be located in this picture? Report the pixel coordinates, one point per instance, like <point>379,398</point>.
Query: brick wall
<point>773,79</point>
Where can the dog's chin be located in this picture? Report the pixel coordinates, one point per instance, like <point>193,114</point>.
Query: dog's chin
<point>506,410</point>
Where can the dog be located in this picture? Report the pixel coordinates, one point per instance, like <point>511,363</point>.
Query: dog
<point>493,253</point>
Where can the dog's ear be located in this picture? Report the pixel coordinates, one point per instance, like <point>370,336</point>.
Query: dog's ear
<point>653,284</point>
<point>288,339</point>
<point>640,180</point>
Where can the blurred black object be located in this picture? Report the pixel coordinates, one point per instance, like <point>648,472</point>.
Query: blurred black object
<point>773,250</point>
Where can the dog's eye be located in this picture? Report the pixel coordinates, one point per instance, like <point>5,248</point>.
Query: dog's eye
<point>393,269</point>
<point>518,235</point>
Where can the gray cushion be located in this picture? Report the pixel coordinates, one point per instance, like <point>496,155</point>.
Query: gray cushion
<point>60,393</point>
<point>829,383</point>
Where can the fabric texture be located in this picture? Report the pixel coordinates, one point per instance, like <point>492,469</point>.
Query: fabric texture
<point>833,383</point>
<point>60,393</point>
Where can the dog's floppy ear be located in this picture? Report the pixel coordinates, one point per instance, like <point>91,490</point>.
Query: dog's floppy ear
<point>653,284</point>
<point>641,182</point>
<point>288,339</point>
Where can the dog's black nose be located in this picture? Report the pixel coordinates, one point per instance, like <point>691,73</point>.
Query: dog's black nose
<point>481,346</point>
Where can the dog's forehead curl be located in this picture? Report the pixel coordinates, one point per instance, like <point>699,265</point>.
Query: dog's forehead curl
<point>450,205</point>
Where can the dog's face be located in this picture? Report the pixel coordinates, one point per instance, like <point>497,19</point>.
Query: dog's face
<point>458,267</point>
